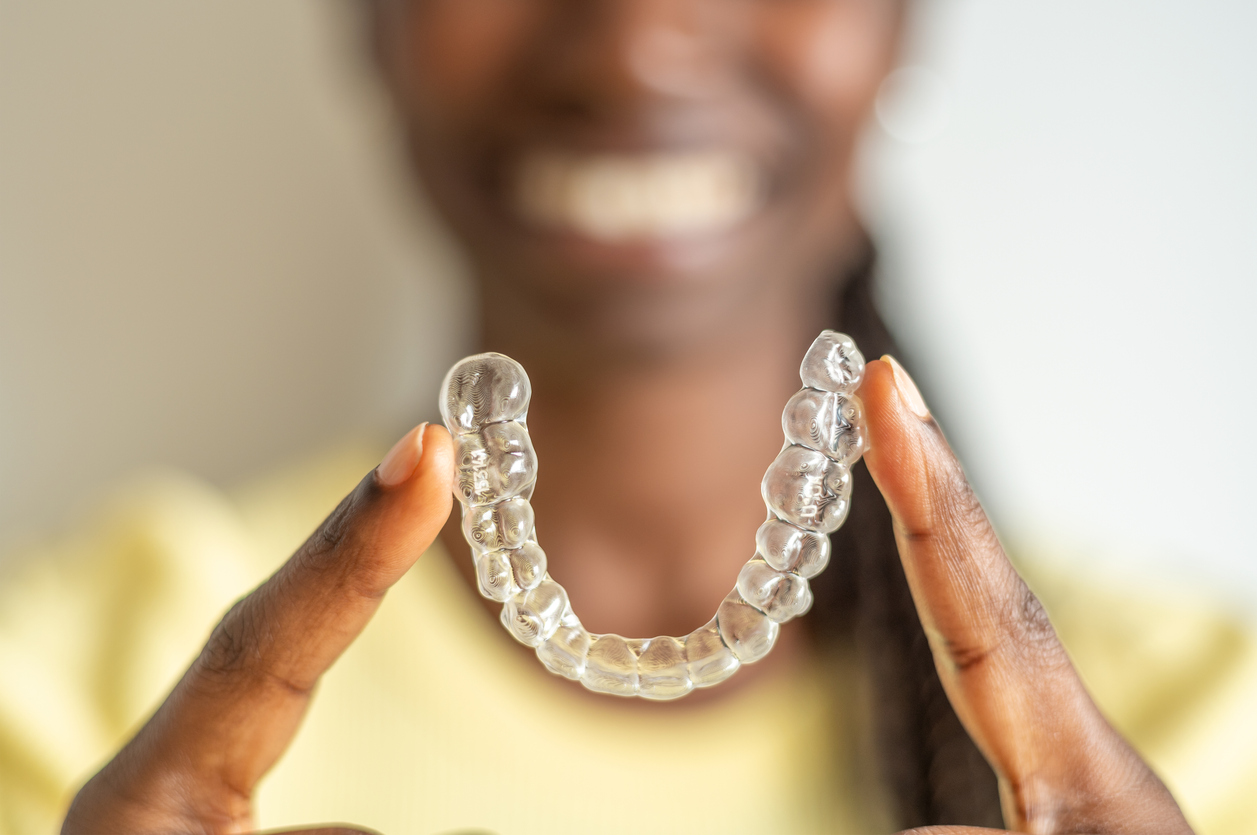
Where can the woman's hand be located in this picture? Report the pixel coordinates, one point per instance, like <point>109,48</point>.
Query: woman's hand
<point>1061,766</point>
<point>194,765</point>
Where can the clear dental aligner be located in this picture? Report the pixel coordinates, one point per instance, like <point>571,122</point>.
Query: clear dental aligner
<point>807,491</point>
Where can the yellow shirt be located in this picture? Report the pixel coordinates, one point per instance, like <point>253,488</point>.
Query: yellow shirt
<point>434,720</point>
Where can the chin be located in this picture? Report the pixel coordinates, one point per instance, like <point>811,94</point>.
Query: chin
<point>628,301</point>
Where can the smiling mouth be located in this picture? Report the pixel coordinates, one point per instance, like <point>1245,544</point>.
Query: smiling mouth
<point>638,197</point>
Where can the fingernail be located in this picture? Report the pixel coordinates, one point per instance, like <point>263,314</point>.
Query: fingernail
<point>907,389</point>
<point>402,459</point>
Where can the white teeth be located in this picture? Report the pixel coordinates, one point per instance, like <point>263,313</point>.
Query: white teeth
<point>617,197</point>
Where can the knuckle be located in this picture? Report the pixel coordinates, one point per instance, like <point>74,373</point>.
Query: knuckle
<point>972,643</point>
<point>1035,801</point>
<point>953,509</point>
<point>340,551</point>
<point>962,509</point>
<point>335,532</point>
<point>1036,639</point>
<point>966,657</point>
<point>235,641</point>
<point>241,650</point>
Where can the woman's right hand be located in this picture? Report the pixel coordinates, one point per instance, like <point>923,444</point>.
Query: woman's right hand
<point>194,765</point>
<point>1061,766</point>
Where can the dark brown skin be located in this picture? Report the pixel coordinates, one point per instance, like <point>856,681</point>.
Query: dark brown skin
<point>683,355</point>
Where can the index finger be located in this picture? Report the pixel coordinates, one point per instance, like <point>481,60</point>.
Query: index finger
<point>1003,668</point>
<point>236,709</point>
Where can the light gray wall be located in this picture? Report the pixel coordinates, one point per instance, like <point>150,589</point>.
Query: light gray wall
<point>208,259</point>
<point>1076,264</point>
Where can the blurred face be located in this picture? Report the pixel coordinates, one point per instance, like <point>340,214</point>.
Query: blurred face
<point>639,170</point>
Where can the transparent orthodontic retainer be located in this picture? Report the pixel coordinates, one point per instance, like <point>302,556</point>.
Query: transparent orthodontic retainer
<point>807,490</point>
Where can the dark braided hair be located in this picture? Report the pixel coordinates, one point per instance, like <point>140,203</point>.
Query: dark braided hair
<point>932,769</point>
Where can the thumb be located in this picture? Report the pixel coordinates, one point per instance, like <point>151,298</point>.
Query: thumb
<point>237,708</point>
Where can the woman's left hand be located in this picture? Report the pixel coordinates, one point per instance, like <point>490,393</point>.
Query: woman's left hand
<point>1062,768</point>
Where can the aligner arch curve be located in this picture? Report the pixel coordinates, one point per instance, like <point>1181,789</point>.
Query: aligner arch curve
<point>807,490</point>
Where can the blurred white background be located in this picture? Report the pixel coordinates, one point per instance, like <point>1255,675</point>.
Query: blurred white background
<point>209,259</point>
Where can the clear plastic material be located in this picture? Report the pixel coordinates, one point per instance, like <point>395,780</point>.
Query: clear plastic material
<point>807,490</point>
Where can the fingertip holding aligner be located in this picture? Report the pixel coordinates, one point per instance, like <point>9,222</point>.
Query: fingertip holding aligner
<point>806,489</point>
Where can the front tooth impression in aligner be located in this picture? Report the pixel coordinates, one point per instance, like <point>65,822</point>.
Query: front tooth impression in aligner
<point>807,491</point>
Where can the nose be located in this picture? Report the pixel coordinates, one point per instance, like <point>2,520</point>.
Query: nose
<point>609,52</point>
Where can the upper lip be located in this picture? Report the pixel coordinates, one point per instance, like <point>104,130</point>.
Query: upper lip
<point>645,129</point>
